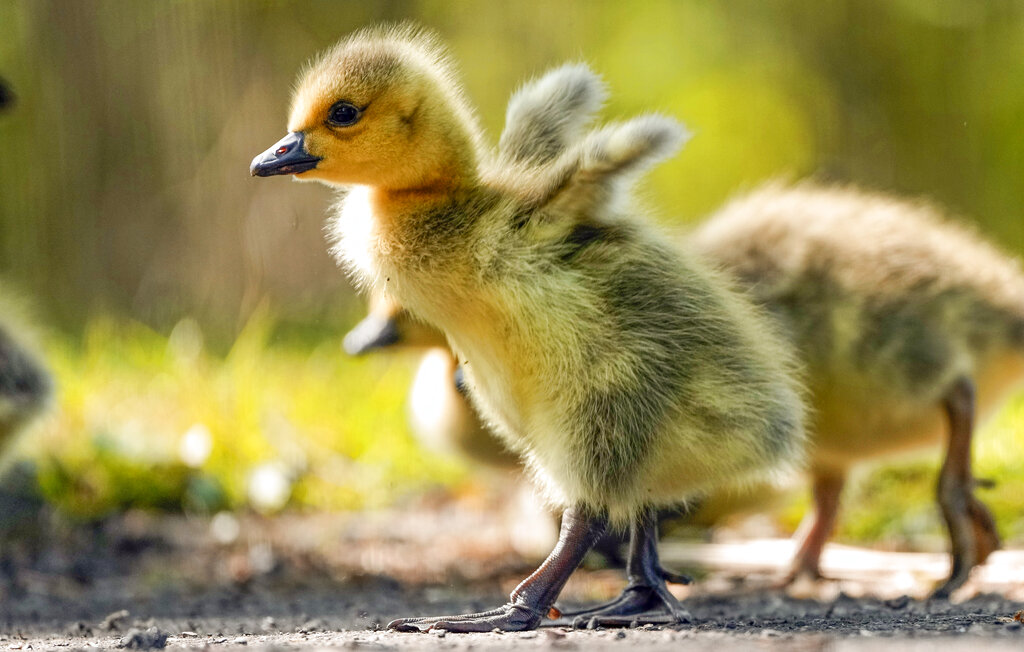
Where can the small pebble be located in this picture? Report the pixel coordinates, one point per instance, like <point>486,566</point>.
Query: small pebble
<point>311,625</point>
<point>115,620</point>
<point>898,603</point>
<point>241,640</point>
<point>149,639</point>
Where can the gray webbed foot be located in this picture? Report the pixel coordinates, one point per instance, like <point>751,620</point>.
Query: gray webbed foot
<point>646,600</point>
<point>508,618</point>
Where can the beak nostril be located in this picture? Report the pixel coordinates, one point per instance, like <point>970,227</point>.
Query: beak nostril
<point>286,156</point>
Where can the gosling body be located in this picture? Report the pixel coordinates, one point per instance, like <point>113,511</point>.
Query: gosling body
<point>627,375</point>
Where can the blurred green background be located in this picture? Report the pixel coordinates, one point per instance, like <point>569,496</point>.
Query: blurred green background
<point>183,304</point>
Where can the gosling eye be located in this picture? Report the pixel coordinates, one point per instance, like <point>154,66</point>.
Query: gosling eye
<point>344,114</point>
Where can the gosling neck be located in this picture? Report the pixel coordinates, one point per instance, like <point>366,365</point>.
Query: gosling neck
<point>451,178</point>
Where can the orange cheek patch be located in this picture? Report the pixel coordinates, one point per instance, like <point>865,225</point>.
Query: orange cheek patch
<point>318,143</point>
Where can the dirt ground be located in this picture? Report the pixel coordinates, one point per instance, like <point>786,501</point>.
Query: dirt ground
<point>322,581</point>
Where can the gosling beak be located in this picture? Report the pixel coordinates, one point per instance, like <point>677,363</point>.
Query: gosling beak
<point>374,332</point>
<point>286,156</point>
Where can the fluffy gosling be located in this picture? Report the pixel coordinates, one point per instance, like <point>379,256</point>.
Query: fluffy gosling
<point>910,328</point>
<point>627,375</point>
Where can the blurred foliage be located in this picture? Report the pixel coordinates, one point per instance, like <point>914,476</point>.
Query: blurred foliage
<point>188,298</point>
<point>135,123</point>
<point>330,427</point>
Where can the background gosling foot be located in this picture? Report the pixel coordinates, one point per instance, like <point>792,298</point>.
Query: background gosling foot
<point>815,531</point>
<point>972,530</point>
<point>532,600</point>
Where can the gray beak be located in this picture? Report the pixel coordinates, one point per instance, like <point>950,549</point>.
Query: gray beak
<point>286,156</point>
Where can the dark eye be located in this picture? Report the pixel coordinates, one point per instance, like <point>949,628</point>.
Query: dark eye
<point>344,114</point>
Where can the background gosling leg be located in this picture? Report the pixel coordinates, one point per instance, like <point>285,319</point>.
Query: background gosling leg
<point>532,600</point>
<point>646,599</point>
<point>972,530</point>
<point>817,527</point>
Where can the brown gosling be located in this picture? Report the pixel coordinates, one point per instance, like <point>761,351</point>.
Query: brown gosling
<point>627,375</point>
<point>911,329</point>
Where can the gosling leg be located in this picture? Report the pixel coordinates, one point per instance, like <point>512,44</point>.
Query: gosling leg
<point>972,530</point>
<point>646,599</point>
<point>532,600</point>
<point>817,526</point>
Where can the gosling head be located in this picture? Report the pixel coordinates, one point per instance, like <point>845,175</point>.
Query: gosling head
<point>381,108</point>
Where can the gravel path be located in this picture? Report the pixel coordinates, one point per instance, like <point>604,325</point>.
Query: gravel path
<point>311,582</point>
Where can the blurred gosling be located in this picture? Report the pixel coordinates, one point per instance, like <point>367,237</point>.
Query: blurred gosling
<point>627,375</point>
<point>911,330</point>
<point>440,414</point>
<point>25,384</point>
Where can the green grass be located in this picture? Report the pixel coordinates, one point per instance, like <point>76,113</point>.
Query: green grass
<point>336,428</point>
<point>127,395</point>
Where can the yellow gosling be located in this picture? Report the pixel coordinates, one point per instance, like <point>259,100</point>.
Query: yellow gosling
<point>628,376</point>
